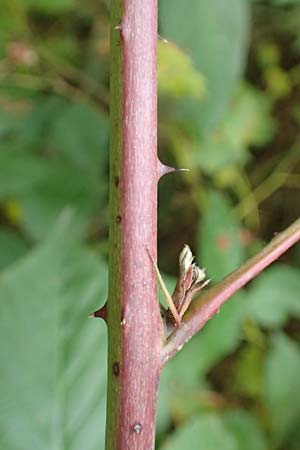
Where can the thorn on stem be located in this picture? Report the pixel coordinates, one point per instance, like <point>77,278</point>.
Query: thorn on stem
<point>164,170</point>
<point>102,313</point>
<point>161,38</point>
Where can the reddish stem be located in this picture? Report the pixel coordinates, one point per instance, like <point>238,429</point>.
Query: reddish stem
<point>135,328</point>
<point>211,301</point>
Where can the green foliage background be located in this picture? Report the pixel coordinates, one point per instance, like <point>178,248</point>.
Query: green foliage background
<point>229,91</point>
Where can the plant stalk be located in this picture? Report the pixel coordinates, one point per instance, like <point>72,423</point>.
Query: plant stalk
<point>206,305</point>
<point>135,330</point>
<point>137,349</point>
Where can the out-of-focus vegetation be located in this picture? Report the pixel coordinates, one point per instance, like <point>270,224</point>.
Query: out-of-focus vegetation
<point>229,92</point>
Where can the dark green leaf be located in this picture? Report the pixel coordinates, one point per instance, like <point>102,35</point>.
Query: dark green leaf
<point>51,6</point>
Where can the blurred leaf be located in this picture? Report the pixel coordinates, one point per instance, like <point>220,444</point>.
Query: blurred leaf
<point>285,2</point>
<point>12,247</point>
<point>71,173</point>
<point>53,379</point>
<point>215,34</point>
<point>278,82</point>
<point>282,386</point>
<point>248,376</point>
<point>81,135</point>
<point>245,429</point>
<point>10,24</point>
<point>221,251</point>
<point>294,438</point>
<point>205,432</point>
<point>7,123</point>
<point>50,6</point>
<point>268,54</point>
<point>219,245</point>
<point>59,50</point>
<point>222,334</point>
<point>219,337</point>
<point>29,129</point>
<point>176,75</point>
<point>13,211</point>
<point>184,375</point>
<point>62,186</point>
<point>274,296</point>
<point>43,188</point>
<point>19,172</point>
<point>248,123</point>
<point>217,153</point>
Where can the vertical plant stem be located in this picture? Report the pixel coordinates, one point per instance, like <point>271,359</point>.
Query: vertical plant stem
<point>136,349</point>
<point>135,329</point>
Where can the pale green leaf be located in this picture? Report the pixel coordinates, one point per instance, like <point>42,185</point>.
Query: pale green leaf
<point>248,123</point>
<point>80,134</point>
<point>245,429</point>
<point>44,187</point>
<point>282,386</point>
<point>215,35</point>
<point>19,172</point>
<point>274,296</point>
<point>53,371</point>
<point>177,77</point>
<point>12,247</point>
<point>205,432</point>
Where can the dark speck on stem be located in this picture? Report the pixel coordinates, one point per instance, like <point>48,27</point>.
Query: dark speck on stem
<point>116,369</point>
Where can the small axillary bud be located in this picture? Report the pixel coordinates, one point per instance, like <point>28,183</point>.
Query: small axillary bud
<point>198,274</point>
<point>185,260</point>
<point>191,280</point>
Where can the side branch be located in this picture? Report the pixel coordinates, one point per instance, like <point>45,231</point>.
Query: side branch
<point>205,306</point>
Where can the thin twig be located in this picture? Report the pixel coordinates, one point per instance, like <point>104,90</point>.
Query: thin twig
<point>205,306</point>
